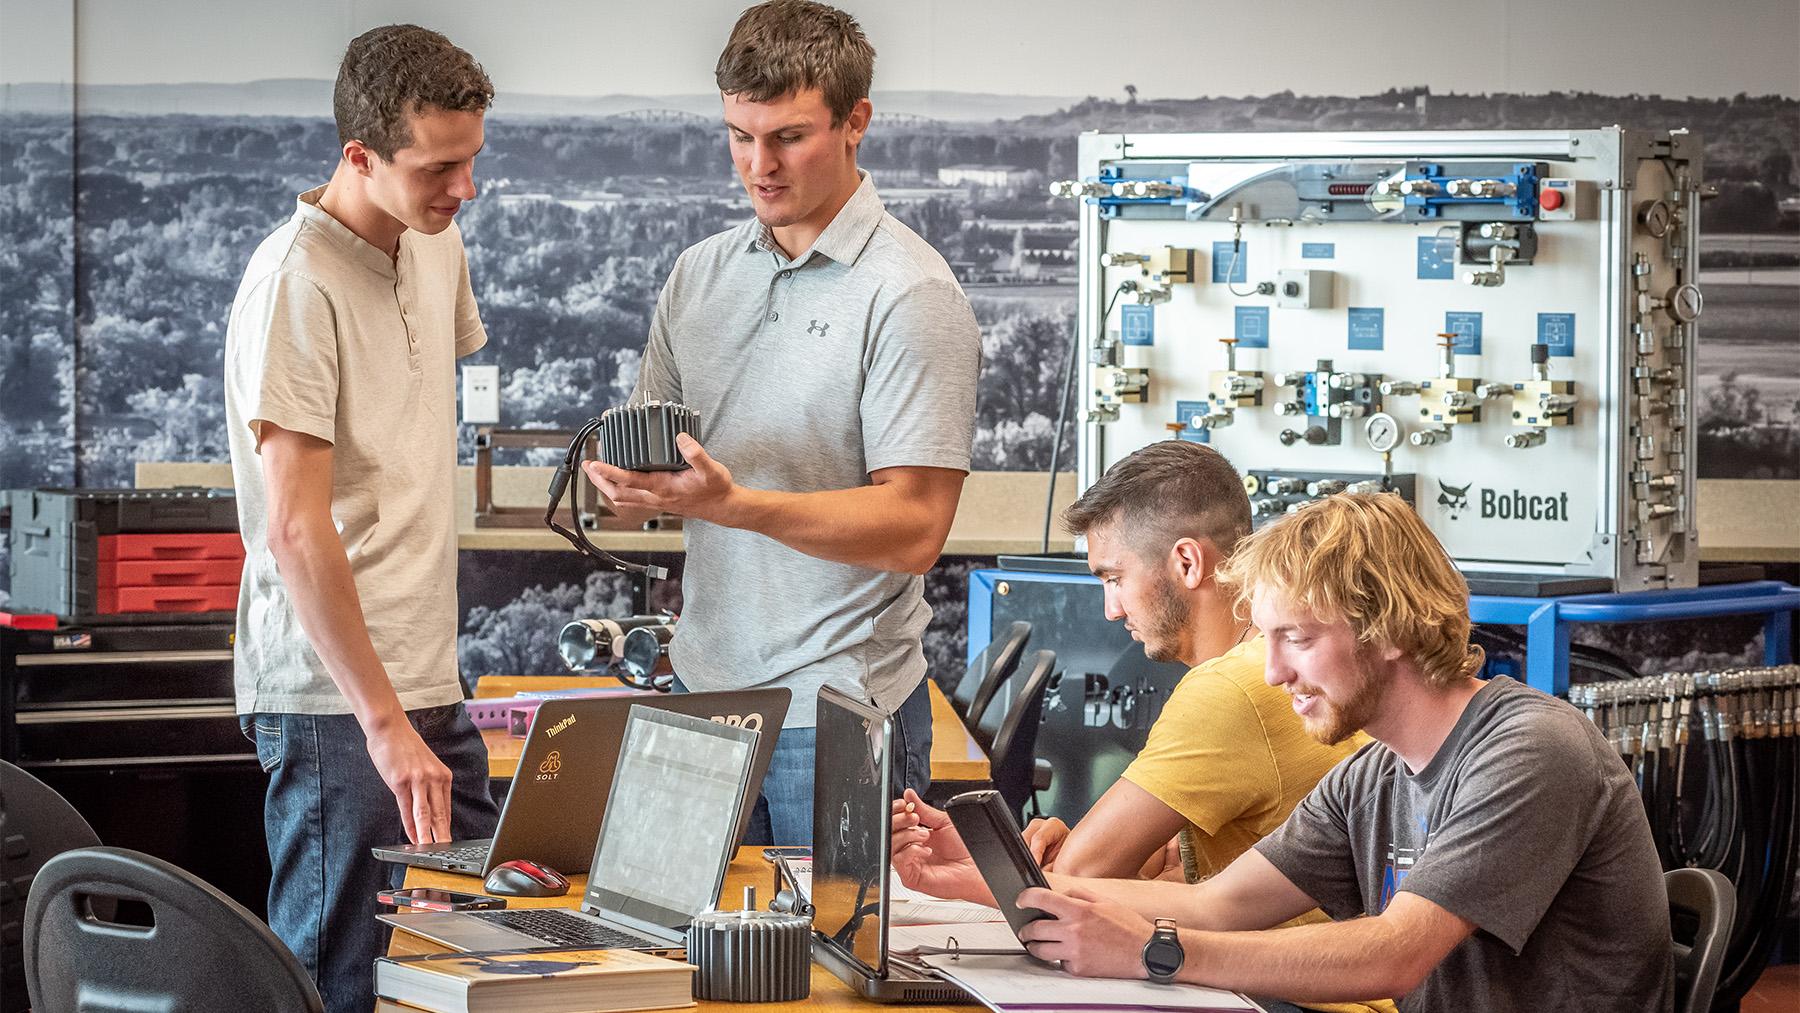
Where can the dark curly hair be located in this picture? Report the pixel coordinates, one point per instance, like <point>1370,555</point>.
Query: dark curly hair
<point>393,71</point>
<point>783,46</point>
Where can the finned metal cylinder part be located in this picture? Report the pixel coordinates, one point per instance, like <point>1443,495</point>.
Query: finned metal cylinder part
<point>750,955</point>
<point>642,437</point>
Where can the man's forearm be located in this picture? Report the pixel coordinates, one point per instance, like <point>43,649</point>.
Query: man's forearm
<point>1345,961</point>
<point>872,525</point>
<point>316,573</point>
<point>1192,905</point>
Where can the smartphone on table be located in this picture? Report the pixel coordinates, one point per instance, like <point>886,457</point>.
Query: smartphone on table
<point>994,842</point>
<point>429,898</point>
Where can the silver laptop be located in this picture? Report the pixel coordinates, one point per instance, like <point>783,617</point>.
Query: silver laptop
<point>669,832</point>
<point>553,810</point>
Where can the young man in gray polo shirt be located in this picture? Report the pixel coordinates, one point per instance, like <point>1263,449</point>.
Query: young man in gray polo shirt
<point>1487,852</point>
<point>339,371</point>
<point>832,357</point>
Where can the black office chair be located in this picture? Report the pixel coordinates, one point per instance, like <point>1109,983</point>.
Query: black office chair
<point>1009,732</point>
<point>174,942</point>
<point>988,672</point>
<point>1702,907</point>
<point>36,825</point>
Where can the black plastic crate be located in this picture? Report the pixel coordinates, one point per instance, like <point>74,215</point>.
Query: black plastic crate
<point>54,539</point>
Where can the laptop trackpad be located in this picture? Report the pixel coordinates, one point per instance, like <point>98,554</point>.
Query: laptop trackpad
<point>460,932</point>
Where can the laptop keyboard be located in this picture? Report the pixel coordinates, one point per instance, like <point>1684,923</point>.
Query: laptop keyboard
<point>561,928</point>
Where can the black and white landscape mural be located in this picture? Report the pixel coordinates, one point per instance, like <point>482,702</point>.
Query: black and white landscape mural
<point>129,205</point>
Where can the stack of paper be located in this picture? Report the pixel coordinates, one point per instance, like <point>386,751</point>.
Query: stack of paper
<point>1010,984</point>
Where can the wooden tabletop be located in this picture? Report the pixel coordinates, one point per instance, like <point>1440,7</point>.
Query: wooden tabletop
<point>955,755</point>
<point>748,869</point>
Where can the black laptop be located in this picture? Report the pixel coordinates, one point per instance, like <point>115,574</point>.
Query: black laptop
<point>553,813</point>
<point>853,788</point>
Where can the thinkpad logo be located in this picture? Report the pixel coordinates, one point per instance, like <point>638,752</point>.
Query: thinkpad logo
<point>817,328</point>
<point>1453,498</point>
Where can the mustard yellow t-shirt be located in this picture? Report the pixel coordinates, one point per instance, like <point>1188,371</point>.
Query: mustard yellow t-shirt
<point>1230,755</point>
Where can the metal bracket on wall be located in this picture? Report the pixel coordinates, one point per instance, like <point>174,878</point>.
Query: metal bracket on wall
<point>490,515</point>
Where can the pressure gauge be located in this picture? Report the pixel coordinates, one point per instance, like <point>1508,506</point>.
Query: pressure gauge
<point>1655,216</point>
<point>1685,303</point>
<point>1382,432</point>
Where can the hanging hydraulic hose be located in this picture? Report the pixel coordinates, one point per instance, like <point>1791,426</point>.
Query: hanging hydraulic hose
<point>1724,799</point>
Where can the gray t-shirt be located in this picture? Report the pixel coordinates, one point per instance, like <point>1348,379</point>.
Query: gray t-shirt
<point>808,374</point>
<point>1525,823</point>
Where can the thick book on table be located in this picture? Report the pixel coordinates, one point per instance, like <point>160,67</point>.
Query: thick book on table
<point>536,981</point>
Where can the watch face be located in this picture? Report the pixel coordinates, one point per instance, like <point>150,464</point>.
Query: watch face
<point>1163,955</point>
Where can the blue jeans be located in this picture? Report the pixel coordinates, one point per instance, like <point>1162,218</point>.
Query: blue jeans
<point>784,810</point>
<point>325,809</point>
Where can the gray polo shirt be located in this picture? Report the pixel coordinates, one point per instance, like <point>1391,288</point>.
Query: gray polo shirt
<point>859,354</point>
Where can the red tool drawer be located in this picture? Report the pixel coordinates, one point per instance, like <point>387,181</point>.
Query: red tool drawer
<point>199,598</point>
<point>169,572</point>
<point>172,545</point>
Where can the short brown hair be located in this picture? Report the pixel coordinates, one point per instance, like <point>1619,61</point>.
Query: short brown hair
<point>784,46</point>
<point>1365,559</point>
<point>393,71</point>
<point>1162,493</point>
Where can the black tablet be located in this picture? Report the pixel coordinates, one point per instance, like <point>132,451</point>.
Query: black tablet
<point>999,851</point>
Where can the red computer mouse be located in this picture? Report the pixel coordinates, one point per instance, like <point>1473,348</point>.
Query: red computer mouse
<point>522,878</point>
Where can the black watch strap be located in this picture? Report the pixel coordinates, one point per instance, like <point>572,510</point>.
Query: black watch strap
<point>1163,955</point>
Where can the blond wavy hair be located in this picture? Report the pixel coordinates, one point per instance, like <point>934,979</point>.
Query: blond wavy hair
<point>1370,561</point>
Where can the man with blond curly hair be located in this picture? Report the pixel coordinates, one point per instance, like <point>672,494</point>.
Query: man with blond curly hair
<point>1487,852</point>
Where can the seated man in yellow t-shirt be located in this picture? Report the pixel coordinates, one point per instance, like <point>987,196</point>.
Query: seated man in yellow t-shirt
<point>1227,759</point>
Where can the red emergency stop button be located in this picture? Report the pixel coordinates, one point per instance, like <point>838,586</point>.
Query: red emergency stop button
<point>1551,199</point>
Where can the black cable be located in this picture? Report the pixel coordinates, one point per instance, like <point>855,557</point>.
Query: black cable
<point>1062,404</point>
<point>560,484</point>
<point>1743,967</point>
<point>1064,392</point>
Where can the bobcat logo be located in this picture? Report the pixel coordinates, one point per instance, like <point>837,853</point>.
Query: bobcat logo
<point>1453,498</point>
<point>817,328</point>
<point>551,766</point>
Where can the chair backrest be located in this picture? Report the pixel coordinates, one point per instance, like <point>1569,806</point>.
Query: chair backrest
<point>1011,736</point>
<point>1001,669</point>
<point>36,825</point>
<point>175,942</point>
<point>1702,907</point>
<point>988,672</point>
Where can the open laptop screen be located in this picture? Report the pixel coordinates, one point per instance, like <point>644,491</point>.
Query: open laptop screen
<point>851,796</point>
<point>671,818</point>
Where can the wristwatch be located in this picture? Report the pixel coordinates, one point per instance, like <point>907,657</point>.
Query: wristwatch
<point>1163,953</point>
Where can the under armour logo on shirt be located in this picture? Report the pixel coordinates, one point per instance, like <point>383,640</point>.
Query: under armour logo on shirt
<point>817,328</point>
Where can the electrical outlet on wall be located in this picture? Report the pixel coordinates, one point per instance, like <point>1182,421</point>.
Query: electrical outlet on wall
<point>481,395</point>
